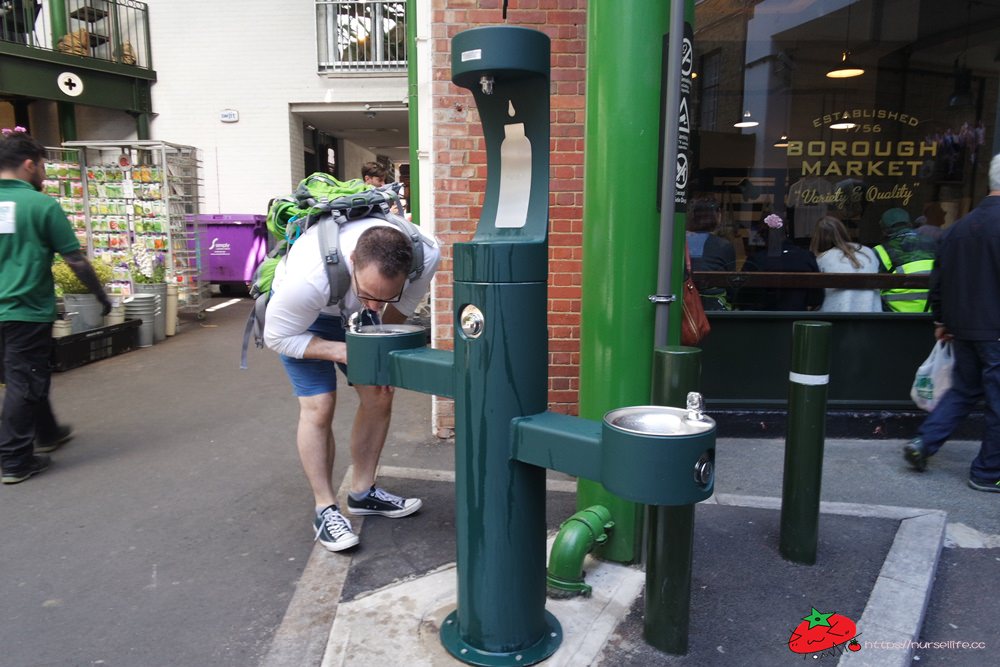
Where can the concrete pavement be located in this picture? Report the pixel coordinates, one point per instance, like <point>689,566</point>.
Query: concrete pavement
<point>174,530</point>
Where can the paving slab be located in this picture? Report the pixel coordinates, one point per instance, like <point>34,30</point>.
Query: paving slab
<point>875,566</point>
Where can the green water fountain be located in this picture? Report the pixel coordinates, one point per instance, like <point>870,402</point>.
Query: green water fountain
<point>498,376</point>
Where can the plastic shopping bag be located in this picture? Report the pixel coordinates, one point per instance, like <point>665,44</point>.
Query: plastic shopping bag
<point>933,377</point>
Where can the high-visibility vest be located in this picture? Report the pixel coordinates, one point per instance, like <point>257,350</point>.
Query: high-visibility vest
<point>905,300</point>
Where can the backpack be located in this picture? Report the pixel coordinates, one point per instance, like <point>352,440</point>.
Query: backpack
<point>321,199</point>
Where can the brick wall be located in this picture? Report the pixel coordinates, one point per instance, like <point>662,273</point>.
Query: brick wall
<point>460,174</point>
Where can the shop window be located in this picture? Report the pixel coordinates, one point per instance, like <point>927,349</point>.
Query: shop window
<point>914,129</point>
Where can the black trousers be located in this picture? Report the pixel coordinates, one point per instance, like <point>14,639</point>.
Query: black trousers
<point>27,413</point>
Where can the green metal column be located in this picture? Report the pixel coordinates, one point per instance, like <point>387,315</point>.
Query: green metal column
<point>142,126</point>
<point>59,22</point>
<point>413,193</point>
<point>803,472</point>
<point>620,228</point>
<point>670,529</point>
<point>500,516</point>
<point>58,19</point>
<point>67,120</point>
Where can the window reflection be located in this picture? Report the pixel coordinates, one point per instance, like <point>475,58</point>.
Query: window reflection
<point>915,131</point>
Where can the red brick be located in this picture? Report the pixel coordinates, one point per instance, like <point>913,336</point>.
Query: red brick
<point>460,171</point>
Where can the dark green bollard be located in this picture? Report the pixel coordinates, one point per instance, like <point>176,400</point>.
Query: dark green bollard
<point>803,474</point>
<point>670,529</point>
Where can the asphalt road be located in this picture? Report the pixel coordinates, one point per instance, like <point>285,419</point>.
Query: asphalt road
<point>173,528</point>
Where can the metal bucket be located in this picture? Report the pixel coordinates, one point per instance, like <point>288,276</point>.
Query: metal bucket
<point>160,314</point>
<point>143,307</point>
<point>84,310</point>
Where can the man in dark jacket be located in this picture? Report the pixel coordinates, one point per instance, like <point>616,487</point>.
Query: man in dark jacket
<point>965,301</point>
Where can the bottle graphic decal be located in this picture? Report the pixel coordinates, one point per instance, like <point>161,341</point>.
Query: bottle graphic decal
<point>515,177</point>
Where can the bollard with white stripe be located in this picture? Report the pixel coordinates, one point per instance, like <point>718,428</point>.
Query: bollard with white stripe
<point>803,473</point>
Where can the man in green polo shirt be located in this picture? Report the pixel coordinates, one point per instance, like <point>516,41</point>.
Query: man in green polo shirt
<point>32,229</point>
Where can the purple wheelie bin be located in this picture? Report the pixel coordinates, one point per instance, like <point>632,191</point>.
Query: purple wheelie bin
<point>232,245</point>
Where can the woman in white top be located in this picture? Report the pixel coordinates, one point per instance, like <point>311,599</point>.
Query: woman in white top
<point>836,253</point>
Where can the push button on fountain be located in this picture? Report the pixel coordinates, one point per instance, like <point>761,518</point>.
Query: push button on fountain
<point>472,322</point>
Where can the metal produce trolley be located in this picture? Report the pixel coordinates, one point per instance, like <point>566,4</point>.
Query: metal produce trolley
<point>145,192</point>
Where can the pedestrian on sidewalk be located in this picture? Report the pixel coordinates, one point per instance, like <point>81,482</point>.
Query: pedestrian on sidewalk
<point>374,174</point>
<point>309,335</point>
<point>32,229</point>
<point>965,300</point>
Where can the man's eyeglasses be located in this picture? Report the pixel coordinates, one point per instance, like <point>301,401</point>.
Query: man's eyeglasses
<point>366,297</point>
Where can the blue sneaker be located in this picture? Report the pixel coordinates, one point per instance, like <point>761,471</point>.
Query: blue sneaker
<point>333,530</point>
<point>381,502</point>
<point>984,485</point>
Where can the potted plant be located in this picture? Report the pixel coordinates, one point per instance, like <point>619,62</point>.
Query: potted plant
<point>146,267</point>
<point>80,305</point>
<point>149,276</point>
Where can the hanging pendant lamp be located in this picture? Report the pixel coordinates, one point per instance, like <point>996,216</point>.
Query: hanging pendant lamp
<point>746,121</point>
<point>846,69</point>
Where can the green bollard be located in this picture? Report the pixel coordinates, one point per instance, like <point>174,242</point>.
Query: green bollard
<point>803,473</point>
<point>670,529</point>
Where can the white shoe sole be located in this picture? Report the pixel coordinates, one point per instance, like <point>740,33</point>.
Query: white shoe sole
<point>395,514</point>
<point>342,544</point>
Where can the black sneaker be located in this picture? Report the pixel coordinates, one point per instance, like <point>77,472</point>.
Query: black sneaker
<point>35,465</point>
<point>63,435</point>
<point>984,485</point>
<point>333,530</point>
<point>381,502</point>
<point>913,453</point>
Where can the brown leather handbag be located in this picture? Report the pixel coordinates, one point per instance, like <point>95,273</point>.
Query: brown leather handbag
<point>694,324</point>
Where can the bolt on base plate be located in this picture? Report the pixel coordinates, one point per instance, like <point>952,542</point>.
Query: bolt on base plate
<point>471,655</point>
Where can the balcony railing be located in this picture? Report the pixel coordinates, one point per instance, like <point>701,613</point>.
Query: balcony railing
<point>116,31</point>
<point>361,36</point>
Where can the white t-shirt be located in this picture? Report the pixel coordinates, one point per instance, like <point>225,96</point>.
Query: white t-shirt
<point>301,287</point>
<point>850,300</point>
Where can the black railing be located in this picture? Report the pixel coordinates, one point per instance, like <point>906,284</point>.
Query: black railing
<point>357,36</point>
<point>115,31</point>
<point>801,280</point>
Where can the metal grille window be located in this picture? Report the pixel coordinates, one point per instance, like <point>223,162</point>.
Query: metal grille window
<point>361,36</point>
<point>113,30</point>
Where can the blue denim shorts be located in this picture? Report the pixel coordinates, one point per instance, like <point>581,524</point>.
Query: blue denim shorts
<point>311,377</point>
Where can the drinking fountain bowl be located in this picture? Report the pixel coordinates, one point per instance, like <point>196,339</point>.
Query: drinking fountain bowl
<point>368,349</point>
<point>658,455</point>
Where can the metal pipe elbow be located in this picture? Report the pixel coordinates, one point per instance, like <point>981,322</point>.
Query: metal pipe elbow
<point>576,538</point>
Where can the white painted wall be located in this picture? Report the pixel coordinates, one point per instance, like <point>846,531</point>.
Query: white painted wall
<point>354,156</point>
<point>259,58</point>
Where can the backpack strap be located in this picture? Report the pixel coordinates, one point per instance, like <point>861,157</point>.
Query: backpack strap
<point>254,326</point>
<point>329,247</point>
